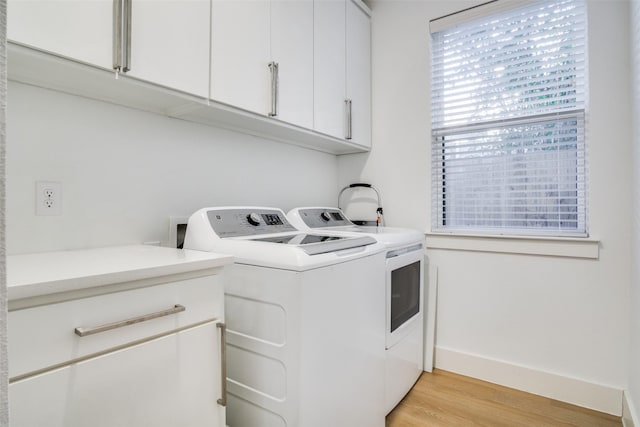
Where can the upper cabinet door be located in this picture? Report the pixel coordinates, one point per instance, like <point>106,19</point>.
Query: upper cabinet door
<point>170,43</point>
<point>77,29</point>
<point>240,54</point>
<point>329,67</point>
<point>292,49</point>
<point>359,72</point>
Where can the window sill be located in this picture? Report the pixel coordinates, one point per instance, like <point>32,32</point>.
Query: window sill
<point>547,246</point>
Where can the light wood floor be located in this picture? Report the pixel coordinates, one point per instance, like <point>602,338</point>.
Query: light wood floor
<point>446,399</point>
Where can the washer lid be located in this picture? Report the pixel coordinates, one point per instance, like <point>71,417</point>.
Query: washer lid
<point>314,244</point>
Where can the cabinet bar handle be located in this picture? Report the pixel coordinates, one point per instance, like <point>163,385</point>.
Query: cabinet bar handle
<point>122,35</point>
<point>273,66</point>
<point>83,332</point>
<point>117,34</point>
<point>126,66</point>
<point>223,362</point>
<point>349,120</point>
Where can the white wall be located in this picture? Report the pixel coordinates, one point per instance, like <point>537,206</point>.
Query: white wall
<point>554,326</point>
<point>633,392</point>
<point>124,172</point>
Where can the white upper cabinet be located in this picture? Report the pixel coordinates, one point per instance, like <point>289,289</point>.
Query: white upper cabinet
<point>248,36</point>
<point>170,44</point>
<point>359,73</point>
<point>295,71</point>
<point>240,54</point>
<point>329,67</point>
<point>77,29</point>
<point>292,49</point>
<point>342,70</point>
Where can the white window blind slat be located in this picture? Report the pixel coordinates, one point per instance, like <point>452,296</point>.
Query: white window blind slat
<point>546,22</point>
<point>508,107</point>
<point>561,81</point>
<point>542,33</point>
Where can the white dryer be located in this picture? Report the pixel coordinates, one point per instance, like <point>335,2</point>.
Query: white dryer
<point>305,331</point>
<point>404,284</point>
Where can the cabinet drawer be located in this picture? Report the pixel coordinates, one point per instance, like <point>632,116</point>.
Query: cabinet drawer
<point>167,382</point>
<point>41,337</point>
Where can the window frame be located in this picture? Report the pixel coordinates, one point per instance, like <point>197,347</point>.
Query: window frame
<point>438,136</point>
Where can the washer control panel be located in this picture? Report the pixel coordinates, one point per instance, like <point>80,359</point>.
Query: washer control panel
<point>323,217</point>
<point>238,222</point>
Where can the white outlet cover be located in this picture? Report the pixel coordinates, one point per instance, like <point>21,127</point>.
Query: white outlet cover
<point>48,198</point>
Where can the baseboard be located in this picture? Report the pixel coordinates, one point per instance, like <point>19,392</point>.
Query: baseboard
<point>629,414</point>
<point>571,390</point>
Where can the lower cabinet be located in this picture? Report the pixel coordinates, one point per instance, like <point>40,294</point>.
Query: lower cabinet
<point>132,353</point>
<point>171,380</point>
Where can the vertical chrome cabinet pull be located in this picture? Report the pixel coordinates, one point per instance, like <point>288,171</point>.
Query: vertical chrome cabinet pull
<point>223,363</point>
<point>117,34</point>
<point>126,66</point>
<point>122,35</point>
<point>347,103</point>
<point>273,66</point>
<point>83,332</point>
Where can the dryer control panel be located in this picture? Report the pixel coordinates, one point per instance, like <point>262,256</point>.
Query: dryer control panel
<point>240,222</point>
<point>323,217</point>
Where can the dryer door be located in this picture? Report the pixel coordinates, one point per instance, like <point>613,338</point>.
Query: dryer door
<point>404,293</point>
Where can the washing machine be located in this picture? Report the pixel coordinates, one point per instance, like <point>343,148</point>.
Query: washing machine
<point>404,290</point>
<point>305,330</point>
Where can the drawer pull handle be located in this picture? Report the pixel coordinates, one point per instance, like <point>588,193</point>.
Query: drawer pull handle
<point>83,332</point>
<point>223,362</point>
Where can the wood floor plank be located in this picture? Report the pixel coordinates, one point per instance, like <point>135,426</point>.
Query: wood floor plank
<point>447,399</point>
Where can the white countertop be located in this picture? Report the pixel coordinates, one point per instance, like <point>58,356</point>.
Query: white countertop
<point>46,273</point>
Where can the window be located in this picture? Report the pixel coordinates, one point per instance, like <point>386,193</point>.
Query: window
<point>508,121</point>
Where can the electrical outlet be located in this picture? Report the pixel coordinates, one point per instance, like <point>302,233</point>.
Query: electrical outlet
<point>48,198</point>
<point>177,229</point>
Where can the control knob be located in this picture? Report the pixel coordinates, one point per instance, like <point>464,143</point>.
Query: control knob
<point>253,219</point>
<point>325,216</point>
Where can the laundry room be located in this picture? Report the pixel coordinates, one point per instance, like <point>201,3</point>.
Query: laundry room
<point>100,156</point>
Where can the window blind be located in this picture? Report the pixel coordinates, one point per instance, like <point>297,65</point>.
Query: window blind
<point>508,117</point>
